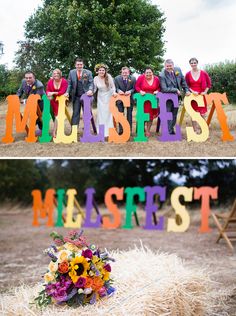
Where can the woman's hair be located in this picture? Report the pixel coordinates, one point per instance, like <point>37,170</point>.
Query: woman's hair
<point>193,59</point>
<point>58,71</point>
<point>148,68</point>
<point>106,77</point>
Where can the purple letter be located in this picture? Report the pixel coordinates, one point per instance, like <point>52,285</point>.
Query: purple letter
<point>89,208</point>
<point>88,117</point>
<point>151,207</point>
<point>167,116</point>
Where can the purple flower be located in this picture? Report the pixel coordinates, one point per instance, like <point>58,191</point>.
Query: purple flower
<point>107,267</point>
<point>60,295</point>
<point>81,282</point>
<point>102,292</point>
<point>87,253</point>
<point>110,290</point>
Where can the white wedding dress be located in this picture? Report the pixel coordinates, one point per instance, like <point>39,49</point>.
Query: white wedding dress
<point>104,116</point>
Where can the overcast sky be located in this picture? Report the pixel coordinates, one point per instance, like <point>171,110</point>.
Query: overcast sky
<point>202,28</point>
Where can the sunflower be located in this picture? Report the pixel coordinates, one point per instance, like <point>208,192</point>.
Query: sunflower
<point>78,268</point>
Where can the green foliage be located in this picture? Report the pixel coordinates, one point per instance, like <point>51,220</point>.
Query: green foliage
<point>20,177</point>
<point>9,81</point>
<point>223,77</point>
<point>125,32</point>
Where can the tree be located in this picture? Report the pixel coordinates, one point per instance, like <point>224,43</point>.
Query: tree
<point>223,77</point>
<point>123,32</point>
<point>9,81</point>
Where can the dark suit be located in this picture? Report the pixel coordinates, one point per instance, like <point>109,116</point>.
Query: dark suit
<point>170,83</point>
<point>121,85</point>
<point>36,88</point>
<point>76,88</point>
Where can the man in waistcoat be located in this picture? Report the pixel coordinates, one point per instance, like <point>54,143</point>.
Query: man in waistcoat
<point>80,81</point>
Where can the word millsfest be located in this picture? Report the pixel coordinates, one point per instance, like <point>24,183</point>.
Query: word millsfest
<point>30,116</point>
<point>46,208</point>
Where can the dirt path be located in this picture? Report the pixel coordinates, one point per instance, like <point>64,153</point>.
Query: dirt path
<point>23,260</point>
<point>213,147</point>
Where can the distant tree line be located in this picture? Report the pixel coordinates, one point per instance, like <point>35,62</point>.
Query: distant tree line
<point>223,77</point>
<point>20,177</point>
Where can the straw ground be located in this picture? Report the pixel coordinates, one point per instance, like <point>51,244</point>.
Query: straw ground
<point>213,147</point>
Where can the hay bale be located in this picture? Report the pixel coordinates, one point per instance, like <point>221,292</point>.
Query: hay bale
<point>147,283</point>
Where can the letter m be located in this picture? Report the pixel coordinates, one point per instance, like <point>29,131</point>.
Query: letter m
<point>43,208</point>
<point>30,114</point>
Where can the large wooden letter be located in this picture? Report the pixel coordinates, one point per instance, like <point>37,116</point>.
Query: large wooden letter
<point>196,116</point>
<point>205,193</point>
<point>166,116</point>
<point>216,100</point>
<point>70,207</point>
<point>119,193</point>
<point>131,207</point>
<point>30,113</point>
<point>46,208</point>
<point>119,118</point>
<point>151,208</point>
<point>180,209</point>
<point>87,117</point>
<point>61,137</point>
<point>141,116</point>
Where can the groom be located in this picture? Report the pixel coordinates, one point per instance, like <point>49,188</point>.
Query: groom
<point>80,81</point>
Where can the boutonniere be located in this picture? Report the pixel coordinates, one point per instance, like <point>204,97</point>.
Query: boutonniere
<point>177,73</point>
<point>33,88</point>
<point>129,80</point>
<point>85,77</point>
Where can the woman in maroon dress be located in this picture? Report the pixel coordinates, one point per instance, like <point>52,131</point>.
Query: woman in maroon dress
<point>148,83</point>
<point>199,83</point>
<point>56,86</point>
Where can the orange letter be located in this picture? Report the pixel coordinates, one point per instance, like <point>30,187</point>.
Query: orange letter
<point>215,99</point>
<point>45,208</point>
<point>205,193</point>
<point>119,118</point>
<point>30,113</point>
<point>119,192</point>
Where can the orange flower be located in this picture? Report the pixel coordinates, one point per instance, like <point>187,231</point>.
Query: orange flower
<point>63,267</point>
<point>97,283</point>
<point>89,282</point>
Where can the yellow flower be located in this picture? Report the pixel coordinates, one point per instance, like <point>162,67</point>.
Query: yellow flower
<point>177,73</point>
<point>33,88</point>
<point>53,266</point>
<point>78,268</point>
<point>63,255</point>
<point>106,275</point>
<point>48,277</point>
<point>71,247</point>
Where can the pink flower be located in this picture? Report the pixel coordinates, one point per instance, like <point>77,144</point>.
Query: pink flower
<point>81,282</point>
<point>87,253</point>
<point>107,267</point>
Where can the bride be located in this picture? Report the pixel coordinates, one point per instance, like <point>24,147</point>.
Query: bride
<point>105,88</point>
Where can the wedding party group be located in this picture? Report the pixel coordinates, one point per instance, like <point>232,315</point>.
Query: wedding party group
<point>103,86</point>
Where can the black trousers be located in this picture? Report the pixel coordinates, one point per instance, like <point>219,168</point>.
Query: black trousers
<point>121,109</point>
<point>77,104</point>
<point>170,108</point>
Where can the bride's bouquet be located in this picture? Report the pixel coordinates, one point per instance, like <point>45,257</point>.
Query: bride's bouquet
<point>78,273</point>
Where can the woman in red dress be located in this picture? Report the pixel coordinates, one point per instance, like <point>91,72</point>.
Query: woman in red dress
<point>199,83</point>
<point>148,83</point>
<point>56,86</point>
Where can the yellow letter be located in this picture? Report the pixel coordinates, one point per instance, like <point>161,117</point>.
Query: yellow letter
<point>180,209</point>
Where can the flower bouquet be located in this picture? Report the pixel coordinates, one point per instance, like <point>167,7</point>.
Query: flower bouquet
<point>78,273</point>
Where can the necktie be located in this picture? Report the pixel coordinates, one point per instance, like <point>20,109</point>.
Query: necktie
<point>28,89</point>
